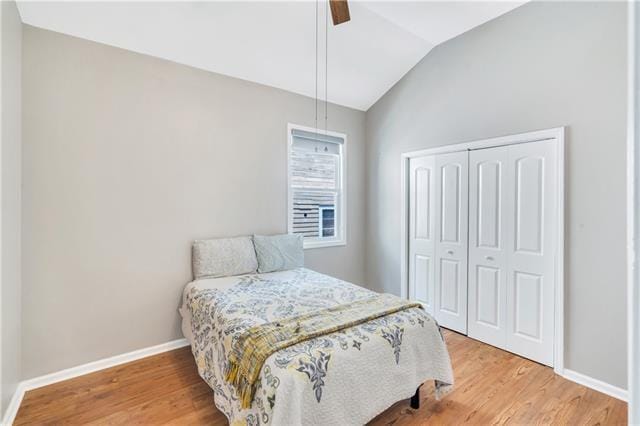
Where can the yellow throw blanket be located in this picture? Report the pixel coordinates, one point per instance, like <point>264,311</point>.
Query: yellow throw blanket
<point>256,344</point>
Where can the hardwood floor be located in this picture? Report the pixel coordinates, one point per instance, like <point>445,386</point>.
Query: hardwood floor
<point>492,387</point>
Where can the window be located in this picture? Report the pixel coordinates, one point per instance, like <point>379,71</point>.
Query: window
<point>327,221</point>
<point>316,186</point>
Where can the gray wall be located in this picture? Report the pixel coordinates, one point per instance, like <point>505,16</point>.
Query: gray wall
<point>542,65</point>
<point>127,159</point>
<point>10,151</point>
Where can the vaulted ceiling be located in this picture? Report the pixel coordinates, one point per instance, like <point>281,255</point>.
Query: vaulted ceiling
<point>274,43</point>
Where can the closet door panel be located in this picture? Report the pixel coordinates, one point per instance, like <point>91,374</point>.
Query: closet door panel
<point>450,201</point>
<point>487,238</point>
<point>450,301</point>
<point>531,249</point>
<point>528,306</point>
<point>451,240</point>
<point>421,231</point>
<point>489,293</point>
<point>424,285</point>
<point>487,182</point>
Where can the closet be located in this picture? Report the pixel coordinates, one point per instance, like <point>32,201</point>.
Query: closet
<point>482,238</point>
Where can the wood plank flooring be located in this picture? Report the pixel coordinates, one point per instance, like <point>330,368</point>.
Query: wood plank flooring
<point>492,387</point>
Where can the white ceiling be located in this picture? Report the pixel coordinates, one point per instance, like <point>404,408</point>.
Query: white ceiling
<point>273,43</point>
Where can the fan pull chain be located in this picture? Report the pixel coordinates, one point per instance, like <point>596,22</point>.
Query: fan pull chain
<point>316,100</point>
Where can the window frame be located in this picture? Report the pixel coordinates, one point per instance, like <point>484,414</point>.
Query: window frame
<point>341,201</point>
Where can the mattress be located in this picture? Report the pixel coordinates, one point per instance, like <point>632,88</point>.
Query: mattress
<point>347,377</point>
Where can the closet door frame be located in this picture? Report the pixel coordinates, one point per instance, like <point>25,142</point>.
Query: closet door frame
<point>556,134</point>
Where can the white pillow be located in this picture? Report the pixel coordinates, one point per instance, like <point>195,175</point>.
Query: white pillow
<point>223,257</point>
<point>279,252</point>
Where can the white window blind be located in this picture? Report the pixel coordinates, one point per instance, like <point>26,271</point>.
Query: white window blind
<point>316,187</point>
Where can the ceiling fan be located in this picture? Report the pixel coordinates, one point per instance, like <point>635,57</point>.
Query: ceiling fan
<point>339,11</point>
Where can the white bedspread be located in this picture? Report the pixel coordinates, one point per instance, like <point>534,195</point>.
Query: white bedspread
<point>344,378</point>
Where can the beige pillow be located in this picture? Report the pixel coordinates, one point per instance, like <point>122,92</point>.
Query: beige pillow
<point>223,257</point>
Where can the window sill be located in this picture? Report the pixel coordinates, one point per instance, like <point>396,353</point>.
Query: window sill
<point>322,244</point>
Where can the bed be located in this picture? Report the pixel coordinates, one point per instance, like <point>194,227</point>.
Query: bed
<point>345,377</point>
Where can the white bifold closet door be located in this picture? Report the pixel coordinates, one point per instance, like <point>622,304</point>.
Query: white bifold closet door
<point>487,241</point>
<point>452,218</point>
<point>512,202</point>
<point>438,236</point>
<point>421,231</point>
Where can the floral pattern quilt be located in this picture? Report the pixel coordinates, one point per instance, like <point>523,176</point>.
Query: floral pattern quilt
<point>346,377</point>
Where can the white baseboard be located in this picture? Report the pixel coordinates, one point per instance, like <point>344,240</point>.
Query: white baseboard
<point>81,370</point>
<point>595,384</point>
<point>14,404</point>
<point>91,367</point>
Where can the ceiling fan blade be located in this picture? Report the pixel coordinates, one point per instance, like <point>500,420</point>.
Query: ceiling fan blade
<point>339,11</point>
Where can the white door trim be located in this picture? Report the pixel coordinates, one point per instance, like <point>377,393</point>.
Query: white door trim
<point>539,135</point>
<point>633,221</point>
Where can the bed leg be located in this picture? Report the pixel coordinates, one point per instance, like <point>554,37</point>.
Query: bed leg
<point>415,399</point>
